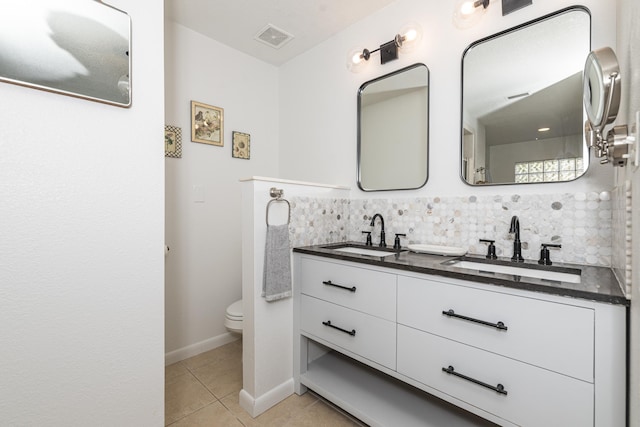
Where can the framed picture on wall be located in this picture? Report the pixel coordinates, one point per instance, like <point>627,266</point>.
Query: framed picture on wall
<point>241,145</point>
<point>207,124</point>
<point>172,141</point>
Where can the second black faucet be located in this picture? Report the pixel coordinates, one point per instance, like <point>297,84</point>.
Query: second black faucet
<point>517,245</point>
<point>383,243</point>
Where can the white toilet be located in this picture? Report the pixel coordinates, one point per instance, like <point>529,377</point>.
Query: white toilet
<point>233,317</point>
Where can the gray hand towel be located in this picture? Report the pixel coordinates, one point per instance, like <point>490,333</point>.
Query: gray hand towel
<point>276,283</point>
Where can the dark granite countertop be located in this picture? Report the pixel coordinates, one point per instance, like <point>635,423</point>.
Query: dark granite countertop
<point>596,284</point>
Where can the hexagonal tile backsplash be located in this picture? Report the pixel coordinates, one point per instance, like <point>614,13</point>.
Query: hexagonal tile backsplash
<point>580,222</point>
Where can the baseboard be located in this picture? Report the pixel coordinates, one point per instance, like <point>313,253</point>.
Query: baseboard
<point>199,347</point>
<point>256,406</point>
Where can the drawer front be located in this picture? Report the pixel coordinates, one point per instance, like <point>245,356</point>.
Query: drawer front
<point>360,289</point>
<point>534,396</point>
<point>554,336</point>
<point>373,338</point>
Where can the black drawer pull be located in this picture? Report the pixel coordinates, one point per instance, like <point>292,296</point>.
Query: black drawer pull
<point>328,283</point>
<point>498,389</point>
<point>328,323</point>
<point>498,325</point>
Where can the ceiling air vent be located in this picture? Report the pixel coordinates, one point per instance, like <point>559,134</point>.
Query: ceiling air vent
<point>273,36</point>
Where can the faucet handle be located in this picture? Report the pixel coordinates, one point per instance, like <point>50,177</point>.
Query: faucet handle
<point>396,243</point>
<point>491,249</point>
<point>545,257</point>
<point>368,233</point>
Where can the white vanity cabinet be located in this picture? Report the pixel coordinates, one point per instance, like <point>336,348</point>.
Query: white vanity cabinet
<point>513,357</point>
<point>510,350</point>
<point>351,308</point>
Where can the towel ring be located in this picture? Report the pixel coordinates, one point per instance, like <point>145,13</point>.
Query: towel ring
<point>277,197</point>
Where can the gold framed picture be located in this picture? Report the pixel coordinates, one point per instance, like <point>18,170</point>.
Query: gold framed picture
<point>172,141</point>
<point>241,145</point>
<point>207,124</point>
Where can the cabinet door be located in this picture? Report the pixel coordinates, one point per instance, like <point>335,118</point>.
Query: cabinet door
<point>368,336</point>
<point>357,288</point>
<point>558,337</point>
<point>534,397</point>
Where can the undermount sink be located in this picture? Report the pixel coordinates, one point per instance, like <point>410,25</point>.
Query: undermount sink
<point>370,251</point>
<point>363,251</point>
<point>572,276</point>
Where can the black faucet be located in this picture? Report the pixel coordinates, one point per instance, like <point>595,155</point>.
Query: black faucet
<point>383,243</point>
<point>517,246</point>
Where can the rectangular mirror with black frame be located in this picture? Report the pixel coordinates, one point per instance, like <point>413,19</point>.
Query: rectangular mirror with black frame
<point>522,110</point>
<point>393,130</point>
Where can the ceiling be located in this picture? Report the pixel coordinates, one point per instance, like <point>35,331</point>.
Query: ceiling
<point>235,23</point>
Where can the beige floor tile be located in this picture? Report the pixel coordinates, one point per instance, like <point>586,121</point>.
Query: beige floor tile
<point>232,350</point>
<point>175,370</point>
<point>222,377</point>
<point>213,415</point>
<point>232,403</point>
<point>184,394</point>
<point>274,417</point>
<point>193,386</point>
<point>320,415</point>
<point>287,410</point>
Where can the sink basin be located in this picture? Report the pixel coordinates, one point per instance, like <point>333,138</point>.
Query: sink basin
<point>518,271</point>
<point>364,251</point>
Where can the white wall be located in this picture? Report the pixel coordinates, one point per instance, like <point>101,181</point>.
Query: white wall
<point>627,49</point>
<point>203,268</point>
<point>318,94</point>
<point>81,253</point>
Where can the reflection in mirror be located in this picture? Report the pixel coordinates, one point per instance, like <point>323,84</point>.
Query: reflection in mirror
<point>393,130</point>
<point>75,47</point>
<point>522,115</point>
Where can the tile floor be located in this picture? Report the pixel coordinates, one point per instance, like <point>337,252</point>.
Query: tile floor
<point>203,391</point>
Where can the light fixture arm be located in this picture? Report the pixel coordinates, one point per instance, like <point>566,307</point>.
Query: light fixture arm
<point>388,51</point>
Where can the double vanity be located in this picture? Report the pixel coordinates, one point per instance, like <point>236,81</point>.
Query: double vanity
<point>401,338</point>
<point>398,338</point>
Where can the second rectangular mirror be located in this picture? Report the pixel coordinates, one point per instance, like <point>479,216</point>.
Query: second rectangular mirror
<point>522,114</point>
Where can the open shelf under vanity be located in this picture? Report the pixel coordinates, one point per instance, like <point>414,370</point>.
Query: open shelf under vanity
<point>378,399</point>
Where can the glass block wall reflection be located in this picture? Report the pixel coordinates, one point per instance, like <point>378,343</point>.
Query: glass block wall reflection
<point>552,170</point>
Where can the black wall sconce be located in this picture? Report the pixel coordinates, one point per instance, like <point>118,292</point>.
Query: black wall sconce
<point>408,37</point>
<point>509,6</point>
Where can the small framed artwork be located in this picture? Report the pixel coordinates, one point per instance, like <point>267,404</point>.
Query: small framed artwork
<point>172,141</point>
<point>207,124</point>
<point>241,145</point>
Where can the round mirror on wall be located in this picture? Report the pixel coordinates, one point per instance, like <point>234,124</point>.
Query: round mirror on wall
<point>602,92</point>
<point>601,87</point>
<point>522,113</point>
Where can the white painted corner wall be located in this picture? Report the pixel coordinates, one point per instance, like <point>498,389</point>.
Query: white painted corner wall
<point>81,253</point>
<point>203,268</point>
<point>268,326</point>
